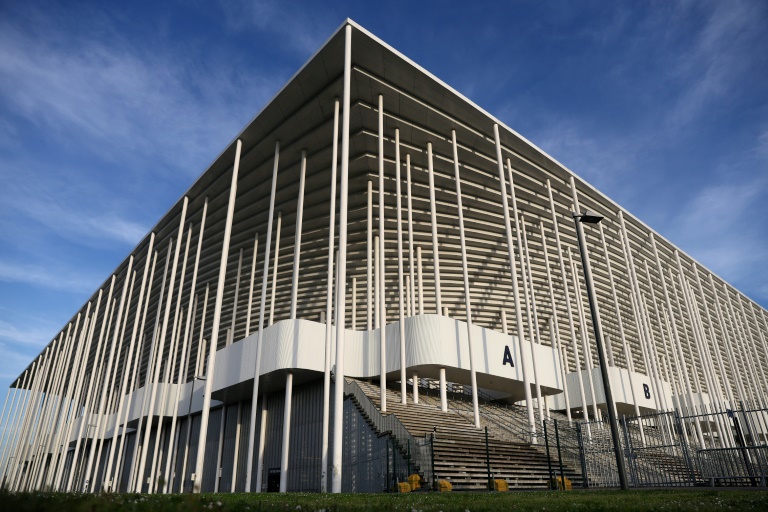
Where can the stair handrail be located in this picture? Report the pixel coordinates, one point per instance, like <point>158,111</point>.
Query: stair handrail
<point>388,424</point>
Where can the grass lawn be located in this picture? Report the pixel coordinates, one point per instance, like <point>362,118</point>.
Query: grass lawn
<point>684,499</point>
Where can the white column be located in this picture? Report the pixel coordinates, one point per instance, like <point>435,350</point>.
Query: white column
<point>583,334</point>
<point>274,269</point>
<point>533,321</point>
<point>433,214</point>
<point>198,371</point>
<point>567,296</point>
<point>369,235</point>
<point>420,283</point>
<point>294,294</point>
<point>233,486</point>
<point>236,297</point>
<point>184,361</point>
<point>260,338</point>
<point>297,236</point>
<point>382,313</point>
<point>329,298</point>
<point>161,341</point>
<point>400,283</point>
<point>107,479</point>
<point>443,392</point>
<point>513,270</point>
<point>465,271</point>
<point>286,432</point>
<point>338,413</point>
<point>380,327</point>
<point>411,270</point>
<point>216,322</point>
<point>554,331</point>
<point>736,375</point>
<point>95,371</point>
<point>250,287</point>
<point>108,377</point>
<point>83,343</point>
<point>262,444</point>
<point>354,303</point>
<point>620,323</point>
<point>149,369</point>
<point>173,354</point>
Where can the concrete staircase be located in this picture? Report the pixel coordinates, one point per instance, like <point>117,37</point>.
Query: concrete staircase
<point>460,449</point>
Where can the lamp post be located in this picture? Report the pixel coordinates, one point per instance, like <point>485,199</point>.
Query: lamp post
<point>593,218</point>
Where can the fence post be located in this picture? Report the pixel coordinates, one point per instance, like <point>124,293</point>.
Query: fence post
<point>684,447</point>
<point>559,455</point>
<point>432,453</point>
<point>629,451</point>
<point>549,460</point>
<point>386,482</point>
<point>409,456</point>
<point>488,460</point>
<point>582,455</point>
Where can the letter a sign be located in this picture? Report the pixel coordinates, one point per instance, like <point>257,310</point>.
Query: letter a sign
<point>508,357</point>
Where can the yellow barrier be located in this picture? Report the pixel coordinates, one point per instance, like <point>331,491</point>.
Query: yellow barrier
<point>500,485</point>
<point>562,484</point>
<point>444,486</point>
<point>415,481</point>
<point>403,487</point>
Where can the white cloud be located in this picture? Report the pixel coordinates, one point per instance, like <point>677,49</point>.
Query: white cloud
<point>47,277</point>
<point>711,68</point>
<point>126,100</point>
<point>294,28</point>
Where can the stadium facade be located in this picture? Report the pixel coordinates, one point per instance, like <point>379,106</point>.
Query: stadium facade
<point>367,193</point>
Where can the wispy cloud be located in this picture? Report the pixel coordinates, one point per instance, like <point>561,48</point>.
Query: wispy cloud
<point>48,277</point>
<point>295,28</point>
<point>101,89</point>
<point>711,68</point>
<point>30,336</point>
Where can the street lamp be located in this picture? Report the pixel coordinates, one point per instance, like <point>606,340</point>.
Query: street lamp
<point>594,218</point>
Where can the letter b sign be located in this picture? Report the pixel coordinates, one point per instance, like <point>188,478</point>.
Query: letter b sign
<point>647,391</point>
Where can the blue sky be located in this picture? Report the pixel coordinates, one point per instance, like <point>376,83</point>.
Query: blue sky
<point>110,110</point>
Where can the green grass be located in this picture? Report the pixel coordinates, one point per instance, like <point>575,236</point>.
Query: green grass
<point>684,499</point>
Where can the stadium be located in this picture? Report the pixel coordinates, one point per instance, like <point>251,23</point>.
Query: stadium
<point>376,279</point>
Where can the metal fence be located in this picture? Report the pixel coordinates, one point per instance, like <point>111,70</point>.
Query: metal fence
<point>417,451</point>
<point>669,449</point>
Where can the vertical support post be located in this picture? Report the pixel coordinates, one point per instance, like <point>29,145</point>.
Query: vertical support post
<point>329,298</point>
<point>107,485</point>
<point>184,361</point>
<point>568,309</point>
<point>369,232</point>
<point>260,337</point>
<point>297,236</point>
<point>465,271</point>
<point>250,287</point>
<point>400,284</point>
<point>433,214</point>
<point>338,405</point>
<point>420,280</point>
<point>216,322</point>
<point>286,432</point>
<point>236,298</point>
<point>411,270</point>
<point>554,331</point>
<point>443,392</point>
<point>382,265</point>
<point>274,269</point>
<point>513,270</point>
<point>533,321</point>
<point>598,328</point>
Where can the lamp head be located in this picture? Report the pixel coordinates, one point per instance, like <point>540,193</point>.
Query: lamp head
<point>588,217</point>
